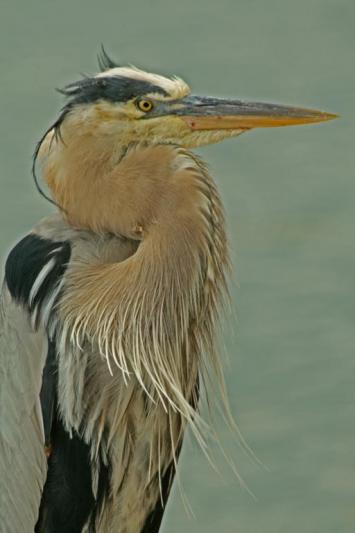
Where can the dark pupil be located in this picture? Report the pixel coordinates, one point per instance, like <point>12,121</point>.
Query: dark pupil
<point>146,105</point>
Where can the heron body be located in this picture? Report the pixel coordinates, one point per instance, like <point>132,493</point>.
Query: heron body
<point>109,307</point>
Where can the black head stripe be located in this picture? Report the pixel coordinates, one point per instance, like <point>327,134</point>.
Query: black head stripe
<point>110,88</point>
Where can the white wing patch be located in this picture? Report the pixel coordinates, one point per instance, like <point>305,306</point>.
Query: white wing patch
<point>40,279</point>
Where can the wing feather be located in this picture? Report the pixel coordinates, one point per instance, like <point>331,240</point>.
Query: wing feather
<point>23,465</point>
<point>33,275</point>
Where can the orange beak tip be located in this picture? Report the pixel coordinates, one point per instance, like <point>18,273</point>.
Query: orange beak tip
<point>331,116</point>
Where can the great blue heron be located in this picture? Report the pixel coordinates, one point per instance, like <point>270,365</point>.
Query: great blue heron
<point>108,308</point>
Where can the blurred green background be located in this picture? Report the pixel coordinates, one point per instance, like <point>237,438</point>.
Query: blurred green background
<point>289,197</point>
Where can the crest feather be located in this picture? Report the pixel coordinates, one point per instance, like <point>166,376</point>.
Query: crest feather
<point>104,60</point>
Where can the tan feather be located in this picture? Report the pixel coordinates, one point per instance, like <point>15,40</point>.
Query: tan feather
<point>152,316</point>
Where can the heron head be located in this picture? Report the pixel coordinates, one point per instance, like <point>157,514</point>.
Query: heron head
<point>120,134</point>
<point>128,105</point>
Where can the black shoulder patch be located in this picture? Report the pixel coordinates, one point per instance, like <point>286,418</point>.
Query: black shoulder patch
<point>33,270</point>
<point>48,394</point>
<point>67,499</point>
<point>67,503</point>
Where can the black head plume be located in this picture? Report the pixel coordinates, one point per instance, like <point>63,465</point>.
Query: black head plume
<point>56,128</point>
<point>104,60</point>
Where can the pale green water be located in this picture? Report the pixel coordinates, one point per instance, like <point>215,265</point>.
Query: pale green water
<point>289,197</point>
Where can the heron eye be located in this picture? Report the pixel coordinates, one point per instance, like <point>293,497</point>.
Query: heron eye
<point>145,105</point>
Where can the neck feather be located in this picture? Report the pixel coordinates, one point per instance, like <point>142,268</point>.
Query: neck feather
<point>153,315</point>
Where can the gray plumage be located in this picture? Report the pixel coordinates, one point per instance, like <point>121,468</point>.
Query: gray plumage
<point>109,309</point>
<point>23,464</point>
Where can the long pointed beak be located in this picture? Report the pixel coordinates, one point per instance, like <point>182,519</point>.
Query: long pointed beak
<point>205,113</point>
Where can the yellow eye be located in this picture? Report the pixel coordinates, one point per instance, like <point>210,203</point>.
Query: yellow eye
<point>145,105</point>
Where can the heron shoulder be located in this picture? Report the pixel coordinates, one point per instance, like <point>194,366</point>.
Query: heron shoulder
<point>33,273</point>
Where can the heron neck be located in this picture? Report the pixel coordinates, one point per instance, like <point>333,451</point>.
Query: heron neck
<point>162,301</point>
<point>108,188</point>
